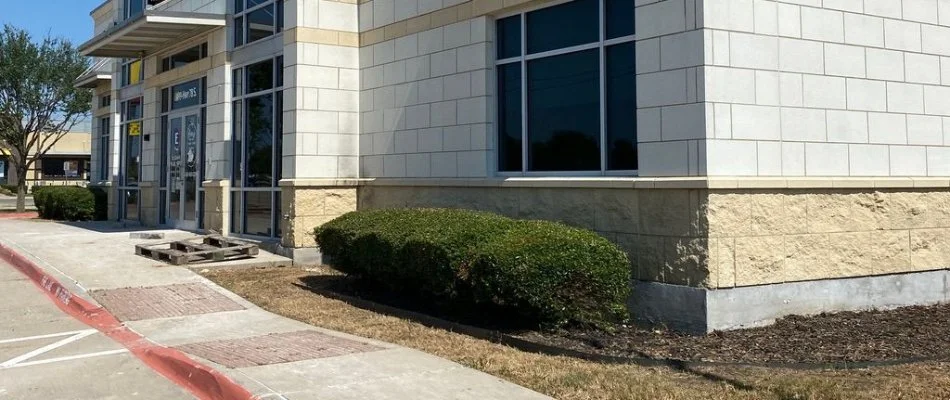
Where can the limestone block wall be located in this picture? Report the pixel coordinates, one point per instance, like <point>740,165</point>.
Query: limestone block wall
<point>217,205</point>
<point>309,205</point>
<point>425,104</point>
<point>773,236</point>
<point>833,88</point>
<point>321,90</point>
<point>721,238</point>
<point>663,231</point>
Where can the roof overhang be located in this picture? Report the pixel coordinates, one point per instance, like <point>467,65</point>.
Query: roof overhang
<point>150,32</point>
<point>92,81</point>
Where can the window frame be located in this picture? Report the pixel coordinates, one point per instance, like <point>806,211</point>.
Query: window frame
<point>523,58</point>
<point>126,190</point>
<point>125,78</point>
<point>243,14</point>
<point>105,134</point>
<point>239,171</point>
<point>165,63</point>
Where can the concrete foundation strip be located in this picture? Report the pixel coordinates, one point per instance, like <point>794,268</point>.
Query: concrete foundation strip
<point>642,360</point>
<point>202,381</point>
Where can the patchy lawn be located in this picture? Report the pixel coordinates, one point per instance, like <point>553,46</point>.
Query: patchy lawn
<point>280,290</point>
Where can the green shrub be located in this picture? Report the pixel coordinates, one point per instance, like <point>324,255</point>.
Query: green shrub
<point>397,249</point>
<point>553,273</point>
<point>9,189</point>
<point>542,272</point>
<point>68,203</point>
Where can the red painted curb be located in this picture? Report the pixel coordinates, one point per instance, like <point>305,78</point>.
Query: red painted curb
<point>14,215</point>
<point>202,381</point>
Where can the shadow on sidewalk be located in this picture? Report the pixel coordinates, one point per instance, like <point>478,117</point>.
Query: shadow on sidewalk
<point>111,226</point>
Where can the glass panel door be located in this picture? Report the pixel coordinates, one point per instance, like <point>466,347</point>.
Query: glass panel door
<point>183,182</point>
<point>175,183</point>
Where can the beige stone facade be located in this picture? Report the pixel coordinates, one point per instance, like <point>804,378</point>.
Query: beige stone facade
<point>724,238</point>
<point>307,205</point>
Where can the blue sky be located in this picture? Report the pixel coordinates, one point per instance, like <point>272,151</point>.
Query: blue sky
<point>62,18</point>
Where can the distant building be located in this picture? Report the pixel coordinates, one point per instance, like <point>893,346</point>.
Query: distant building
<point>67,163</point>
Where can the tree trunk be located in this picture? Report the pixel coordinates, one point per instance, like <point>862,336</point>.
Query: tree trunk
<point>21,190</point>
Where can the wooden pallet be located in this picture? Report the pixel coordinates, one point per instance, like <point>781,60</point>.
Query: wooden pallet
<point>198,249</point>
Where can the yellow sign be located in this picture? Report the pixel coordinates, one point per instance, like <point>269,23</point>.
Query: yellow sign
<point>135,128</point>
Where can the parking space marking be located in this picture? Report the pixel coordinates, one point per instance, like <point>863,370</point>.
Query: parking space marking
<point>67,358</point>
<point>38,337</point>
<point>22,360</point>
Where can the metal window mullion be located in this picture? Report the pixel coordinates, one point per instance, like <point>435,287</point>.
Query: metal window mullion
<point>603,89</point>
<point>564,50</point>
<point>257,7</point>
<point>524,93</point>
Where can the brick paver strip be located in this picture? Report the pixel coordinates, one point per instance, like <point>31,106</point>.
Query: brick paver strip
<point>276,348</point>
<point>134,304</point>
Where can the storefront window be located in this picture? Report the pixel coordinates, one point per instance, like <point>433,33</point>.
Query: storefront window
<point>256,19</point>
<point>257,130</point>
<point>567,89</point>
<point>105,130</point>
<point>131,160</point>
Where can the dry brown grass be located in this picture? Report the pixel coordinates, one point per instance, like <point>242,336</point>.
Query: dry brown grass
<point>566,378</point>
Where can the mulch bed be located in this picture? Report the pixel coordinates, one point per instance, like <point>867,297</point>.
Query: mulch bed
<point>905,333</point>
<point>901,334</point>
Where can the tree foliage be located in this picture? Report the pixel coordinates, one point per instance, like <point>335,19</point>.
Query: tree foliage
<point>39,103</point>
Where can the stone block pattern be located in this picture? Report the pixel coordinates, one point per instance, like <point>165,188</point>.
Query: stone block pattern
<point>833,88</point>
<point>670,90</point>
<point>727,238</point>
<point>663,231</point>
<point>306,208</point>
<point>321,91</point>
<point>425,103</point>
<point>765,237</point>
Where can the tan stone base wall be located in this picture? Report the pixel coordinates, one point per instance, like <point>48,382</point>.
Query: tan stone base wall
<point>722,238</point>
<point>148,204</point>
<point>307,207</point>
<point>773,236</point>
<point>663,231</point>
<point>217,205</point>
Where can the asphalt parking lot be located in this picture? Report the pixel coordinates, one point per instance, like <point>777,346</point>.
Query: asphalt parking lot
<point>46,354</point>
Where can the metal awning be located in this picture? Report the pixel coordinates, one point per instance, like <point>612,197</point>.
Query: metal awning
<point>97,72</point>
<point>149,32</point>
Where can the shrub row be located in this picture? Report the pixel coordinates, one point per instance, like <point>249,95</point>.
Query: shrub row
<point>66,203</point>
<point>543,272</point>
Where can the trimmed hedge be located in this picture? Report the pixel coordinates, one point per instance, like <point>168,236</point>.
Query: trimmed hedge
<point>541,272</point>
<point>67,203</point>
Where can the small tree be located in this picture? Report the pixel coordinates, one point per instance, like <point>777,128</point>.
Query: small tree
<point>39,103</point>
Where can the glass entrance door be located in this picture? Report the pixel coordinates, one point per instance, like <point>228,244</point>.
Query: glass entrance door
<point>183,137</point>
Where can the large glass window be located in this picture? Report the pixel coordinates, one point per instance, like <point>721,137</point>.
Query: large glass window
<point>132,141</point>
<point>256,19</point>
<point>105,130</point>
<point>132,72</point>
<point>184,57</point>
<point>567,89</point>
<point>256,151</point>
<point>131,156</point>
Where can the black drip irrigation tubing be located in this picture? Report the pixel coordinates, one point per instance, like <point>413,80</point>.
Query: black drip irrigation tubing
<point>642,360</point>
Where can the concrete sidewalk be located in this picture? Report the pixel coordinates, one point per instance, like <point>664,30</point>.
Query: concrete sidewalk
<point>271,356</point>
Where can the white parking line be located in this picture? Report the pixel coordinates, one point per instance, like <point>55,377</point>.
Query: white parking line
<point>51,335</point>
<point>21,361</point>
<point>67,358</point>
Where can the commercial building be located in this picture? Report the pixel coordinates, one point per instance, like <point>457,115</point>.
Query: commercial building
<point>66,163</point>
<point>754,157</point>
